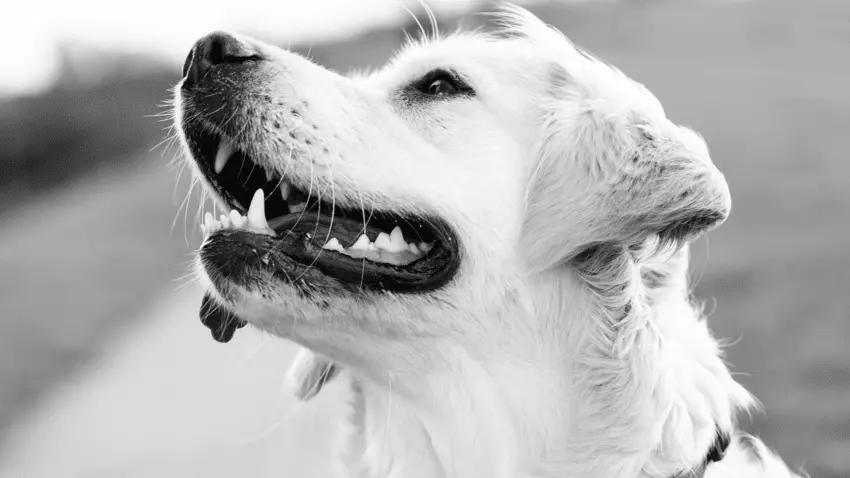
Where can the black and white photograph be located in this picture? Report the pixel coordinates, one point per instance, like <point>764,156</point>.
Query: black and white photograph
<point>425,239</point>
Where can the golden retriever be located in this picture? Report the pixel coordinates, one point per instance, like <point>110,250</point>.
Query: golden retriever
<point>487,238</point>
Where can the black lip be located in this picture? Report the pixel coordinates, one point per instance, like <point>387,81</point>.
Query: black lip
<point>429,273</point>
<point>294,259</point>
<point>221,322</point>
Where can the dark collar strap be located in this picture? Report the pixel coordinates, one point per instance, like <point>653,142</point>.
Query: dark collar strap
<point>715,453</point>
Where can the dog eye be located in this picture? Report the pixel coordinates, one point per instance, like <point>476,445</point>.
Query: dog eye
<point>441,83</point>
<point>442,88</point>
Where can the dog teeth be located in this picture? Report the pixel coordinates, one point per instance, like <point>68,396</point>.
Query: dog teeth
<point>333,245</point>
<point>362,243</point>
<point>392,242</point>
<point>397,240</point>
<point>210,225</point>
<point>387,248</point>
<point>383,241</point>
<point>284,190</point>
<point>257,212</point>
<point>225,150</point>
<point>255,221</point>
<point>236,219</point>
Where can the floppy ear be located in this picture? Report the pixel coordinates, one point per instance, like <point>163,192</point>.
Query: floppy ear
<point>309,373</point>
<point>615,182</point>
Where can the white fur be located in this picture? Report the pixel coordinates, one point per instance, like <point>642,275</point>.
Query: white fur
<point>567,345</point>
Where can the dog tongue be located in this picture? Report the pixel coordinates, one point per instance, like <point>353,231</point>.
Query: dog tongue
<point>220,321</point>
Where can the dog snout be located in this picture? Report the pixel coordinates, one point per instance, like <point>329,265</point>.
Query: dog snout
<point>213,51</point>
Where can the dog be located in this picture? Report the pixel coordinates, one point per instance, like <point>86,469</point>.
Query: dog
<point>487,239</point>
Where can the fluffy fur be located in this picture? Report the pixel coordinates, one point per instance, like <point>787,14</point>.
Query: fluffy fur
<point>567,345</point>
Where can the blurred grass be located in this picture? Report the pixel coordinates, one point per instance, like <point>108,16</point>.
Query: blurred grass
<point>764,82</point>
<point>72,131</point>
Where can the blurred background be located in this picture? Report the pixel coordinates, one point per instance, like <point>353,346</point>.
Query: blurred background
<point>105,369</point>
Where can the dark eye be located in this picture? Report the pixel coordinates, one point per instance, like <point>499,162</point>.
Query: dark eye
<point>442,87</point>
<point>442,83</point>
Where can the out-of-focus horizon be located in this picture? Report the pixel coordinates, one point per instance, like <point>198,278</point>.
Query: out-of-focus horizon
<point>90,235</point>
<point>45,32</point>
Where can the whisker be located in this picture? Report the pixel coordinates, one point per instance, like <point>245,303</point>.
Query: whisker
<point>191,276</point>
<point>435,29</point>
<point>309,193</point>
<point>363,218</point>
<point>414,228</point>
<point>318,217</point>
<point>333,204</point>
<point>184,206</point>
<point>422,32</point>
<point>389,407</point>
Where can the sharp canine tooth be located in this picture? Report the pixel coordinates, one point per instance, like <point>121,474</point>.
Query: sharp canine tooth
<point>362,243</point>
<point>257,211</point>
<point>225,149</point>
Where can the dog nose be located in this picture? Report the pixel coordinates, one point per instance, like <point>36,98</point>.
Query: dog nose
<point>217,48</point>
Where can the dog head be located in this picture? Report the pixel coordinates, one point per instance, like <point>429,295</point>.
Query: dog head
<point>468,164</point>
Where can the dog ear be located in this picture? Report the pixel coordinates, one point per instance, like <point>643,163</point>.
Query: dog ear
<point>622,183</point>
<point>309,373</point>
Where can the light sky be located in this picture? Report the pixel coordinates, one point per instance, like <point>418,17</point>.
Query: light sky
<point>31,29</point>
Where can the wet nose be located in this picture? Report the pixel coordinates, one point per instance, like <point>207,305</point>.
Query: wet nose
<point>217,48</point>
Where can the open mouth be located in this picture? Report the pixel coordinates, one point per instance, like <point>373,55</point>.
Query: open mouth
<point>358,246</point>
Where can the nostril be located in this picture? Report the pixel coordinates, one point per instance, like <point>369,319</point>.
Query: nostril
<point>215,49</point>
<point>222,48</point>
<point>213,52</point>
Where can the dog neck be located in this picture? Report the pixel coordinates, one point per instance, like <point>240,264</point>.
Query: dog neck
<point>592,393</point>
<point>471,421</point>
